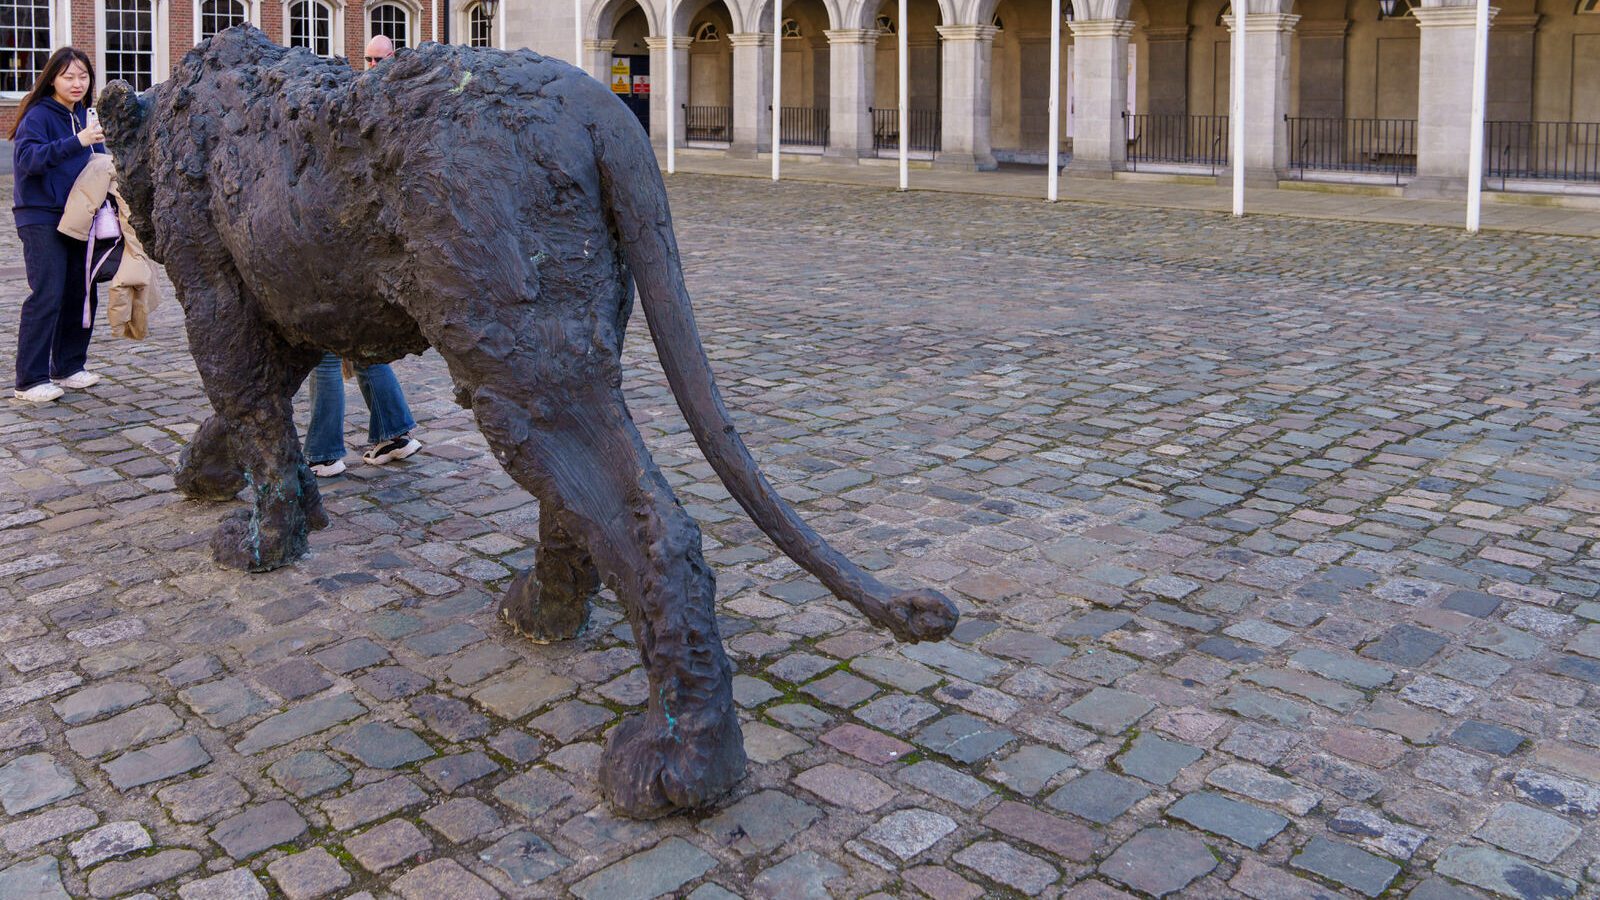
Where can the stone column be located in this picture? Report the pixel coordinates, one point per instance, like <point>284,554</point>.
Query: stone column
<point>752,94</point>
<point>1100,76</point>
<point>1444,100</point>
<point>1168,64</point>
<point>852,60</point>
<point>1266,95</point>
<point>658,90</point>
<point>597,59</point>
<point>966,97</point>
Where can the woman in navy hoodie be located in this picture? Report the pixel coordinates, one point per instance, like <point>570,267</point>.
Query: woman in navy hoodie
<point>53,139</point>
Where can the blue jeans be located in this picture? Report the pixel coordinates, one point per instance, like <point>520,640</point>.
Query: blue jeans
<point>386,406</point>
<point>51,339</point>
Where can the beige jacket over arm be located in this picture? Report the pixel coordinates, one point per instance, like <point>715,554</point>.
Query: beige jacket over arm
<point>132,295</point>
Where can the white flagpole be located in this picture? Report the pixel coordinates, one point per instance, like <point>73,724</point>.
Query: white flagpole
<point>577,34</point>
<point>672,93</point>
<point>1055,99</point>
<point>777,85</point>
<point>1480,58</point>
<point>905,100</point>
<point>1236,85</point>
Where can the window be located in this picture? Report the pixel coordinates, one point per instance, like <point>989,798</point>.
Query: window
<point>311,25</point>
<point>999,24</point>
<point>791,28</point>
<point>886,25</point>
<point>391,21</point>
<point>480,30</point>
<point>24,43</point>
<point>706,32</point>
<point>130,43</point>
<point>219,15</point>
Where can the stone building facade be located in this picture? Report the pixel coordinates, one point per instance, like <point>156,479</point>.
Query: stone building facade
<point>141,40</point>
<point>1336,89</point>
<point>1333,86</point>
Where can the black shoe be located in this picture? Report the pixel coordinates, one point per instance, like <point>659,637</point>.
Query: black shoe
<point>392,449</point>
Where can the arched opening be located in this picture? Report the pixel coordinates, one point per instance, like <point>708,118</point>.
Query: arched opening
<point>1544,119</point>
<point>630,59</point>
<point>1353,87</point>
<point>708,114</point>
<point>1019,124</point>
<point>925,78</point>
<point>805,99</point>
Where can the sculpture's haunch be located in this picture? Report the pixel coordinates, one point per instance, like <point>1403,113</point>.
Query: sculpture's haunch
<point>496,207</point>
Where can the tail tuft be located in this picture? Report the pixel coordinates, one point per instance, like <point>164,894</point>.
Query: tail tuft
<point>919,614</point>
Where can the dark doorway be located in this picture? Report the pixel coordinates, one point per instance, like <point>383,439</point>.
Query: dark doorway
<point>630,81</point>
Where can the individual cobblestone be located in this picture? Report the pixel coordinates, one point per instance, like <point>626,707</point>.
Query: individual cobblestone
<point>108,841</point>
<point>1340,862</point>
<point>234,884</point>
<point>34,879</point>
<point>1267,534</point>
<point>309,875</point>
<point>258,828</point>
<point>1159,861</point>
<point>659,870</point>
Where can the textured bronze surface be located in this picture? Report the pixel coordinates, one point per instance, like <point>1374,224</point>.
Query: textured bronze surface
<point>497,207</point>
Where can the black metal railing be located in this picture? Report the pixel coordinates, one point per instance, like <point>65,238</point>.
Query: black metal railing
<point>1176,138</point>
<point>803,126</point>
<point>1554,151</point>
<point>1383,146</point>
<point>925,133</point>
<point>708,123</point>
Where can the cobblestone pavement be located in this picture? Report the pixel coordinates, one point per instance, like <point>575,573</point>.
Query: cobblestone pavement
<point>1274,539</point>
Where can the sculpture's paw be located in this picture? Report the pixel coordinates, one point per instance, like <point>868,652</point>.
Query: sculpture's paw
<point>534,612</point>
<point>207,478</point>
<point>921,614</point>
<point>242,543</point>
<point>651,767</point>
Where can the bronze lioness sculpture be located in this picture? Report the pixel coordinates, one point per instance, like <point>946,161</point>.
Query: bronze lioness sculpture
<point>496,207</point>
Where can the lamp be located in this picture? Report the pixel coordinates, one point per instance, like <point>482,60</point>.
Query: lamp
<point>1386,9</point>
<point>1067,14</point>
<point>490,7</point>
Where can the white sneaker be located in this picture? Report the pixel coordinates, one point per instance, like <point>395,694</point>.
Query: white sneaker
<point>79,380</point>
<point>39,393</point>
<point>328,470</point>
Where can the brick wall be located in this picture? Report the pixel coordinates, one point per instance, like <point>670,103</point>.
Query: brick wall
<point>181,37</point>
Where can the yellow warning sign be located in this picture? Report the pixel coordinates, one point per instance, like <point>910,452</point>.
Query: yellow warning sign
<point>621,80</point>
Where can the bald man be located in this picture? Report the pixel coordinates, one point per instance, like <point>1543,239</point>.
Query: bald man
<point>379,49</point>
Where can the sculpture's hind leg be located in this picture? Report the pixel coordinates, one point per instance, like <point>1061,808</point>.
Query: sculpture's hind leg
<point>207,469</point>
<point>550,602</point>
<point>251,376</point>
<point>575,441</point>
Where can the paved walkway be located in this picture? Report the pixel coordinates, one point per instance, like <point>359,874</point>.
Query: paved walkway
<point>1312,203</point>
<point>1275,541</point>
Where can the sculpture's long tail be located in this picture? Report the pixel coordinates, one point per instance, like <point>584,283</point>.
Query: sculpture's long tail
<point>637,199</point>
